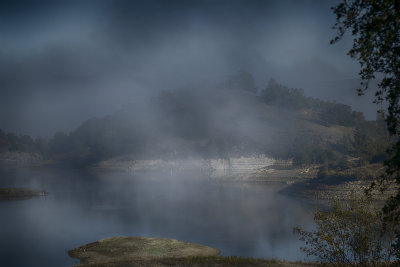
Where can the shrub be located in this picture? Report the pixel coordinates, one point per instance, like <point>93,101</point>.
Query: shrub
<point>351,233</point>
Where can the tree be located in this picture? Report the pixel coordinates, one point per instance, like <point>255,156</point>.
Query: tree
<point>375,26</point>
<point>351,233</point>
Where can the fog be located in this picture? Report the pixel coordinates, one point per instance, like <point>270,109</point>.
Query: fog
<point>196,120</point>
<point>63,62</point>
<point>82,207</point>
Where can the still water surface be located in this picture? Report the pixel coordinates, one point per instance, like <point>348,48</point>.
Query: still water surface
<point>82,207</point>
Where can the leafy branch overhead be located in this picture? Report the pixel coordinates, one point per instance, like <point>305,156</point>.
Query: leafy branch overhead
<point>375,26</point>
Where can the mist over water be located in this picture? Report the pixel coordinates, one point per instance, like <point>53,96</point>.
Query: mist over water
<point>213,85</point>
<point>248,220</point>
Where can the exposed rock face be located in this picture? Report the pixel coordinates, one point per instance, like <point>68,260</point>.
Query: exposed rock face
<point>20,158</point>
<point>281,174</point>
<point>213,167</point>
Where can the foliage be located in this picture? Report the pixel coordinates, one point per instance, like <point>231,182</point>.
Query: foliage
<point>351,233</point>
<point>13,142</point>
<point>344,170</point>
<point>368,141</point>
<point>375,26</point>
<point>369,148</point>
<point>325,112</point>
<point>312,155</point>
<point>277,94</point>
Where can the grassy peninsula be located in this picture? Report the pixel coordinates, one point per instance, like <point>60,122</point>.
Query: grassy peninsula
<point>142,251</point>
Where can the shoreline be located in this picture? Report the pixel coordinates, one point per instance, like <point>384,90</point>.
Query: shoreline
<point>8,193</point>
<point>150,251</point>
<point>296,181</point>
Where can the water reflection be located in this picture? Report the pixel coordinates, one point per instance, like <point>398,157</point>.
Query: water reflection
<point>238,219</point>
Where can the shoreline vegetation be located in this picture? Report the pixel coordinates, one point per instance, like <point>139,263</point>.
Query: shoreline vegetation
<point>20,193</point>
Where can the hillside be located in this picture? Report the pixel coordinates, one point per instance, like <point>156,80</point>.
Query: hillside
<point>221,121</point>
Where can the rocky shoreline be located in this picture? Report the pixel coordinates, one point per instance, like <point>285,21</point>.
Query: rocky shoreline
<point>345,184</point>
<point>343,191</point>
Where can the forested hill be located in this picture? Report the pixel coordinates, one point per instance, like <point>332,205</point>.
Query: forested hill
<point>221,121</point>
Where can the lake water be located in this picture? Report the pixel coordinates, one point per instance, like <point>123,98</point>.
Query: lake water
<point>250,220</point>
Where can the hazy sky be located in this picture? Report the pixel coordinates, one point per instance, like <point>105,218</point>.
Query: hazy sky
<point>62,62</point>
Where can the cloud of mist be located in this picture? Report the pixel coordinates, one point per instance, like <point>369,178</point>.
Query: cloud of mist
<point>64,62</point>
<point>241,220</point>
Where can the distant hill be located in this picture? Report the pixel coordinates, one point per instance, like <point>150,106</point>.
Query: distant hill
<point>221,121</point>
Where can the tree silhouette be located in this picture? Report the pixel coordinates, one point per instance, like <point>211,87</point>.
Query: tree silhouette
<point>375,26</point>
